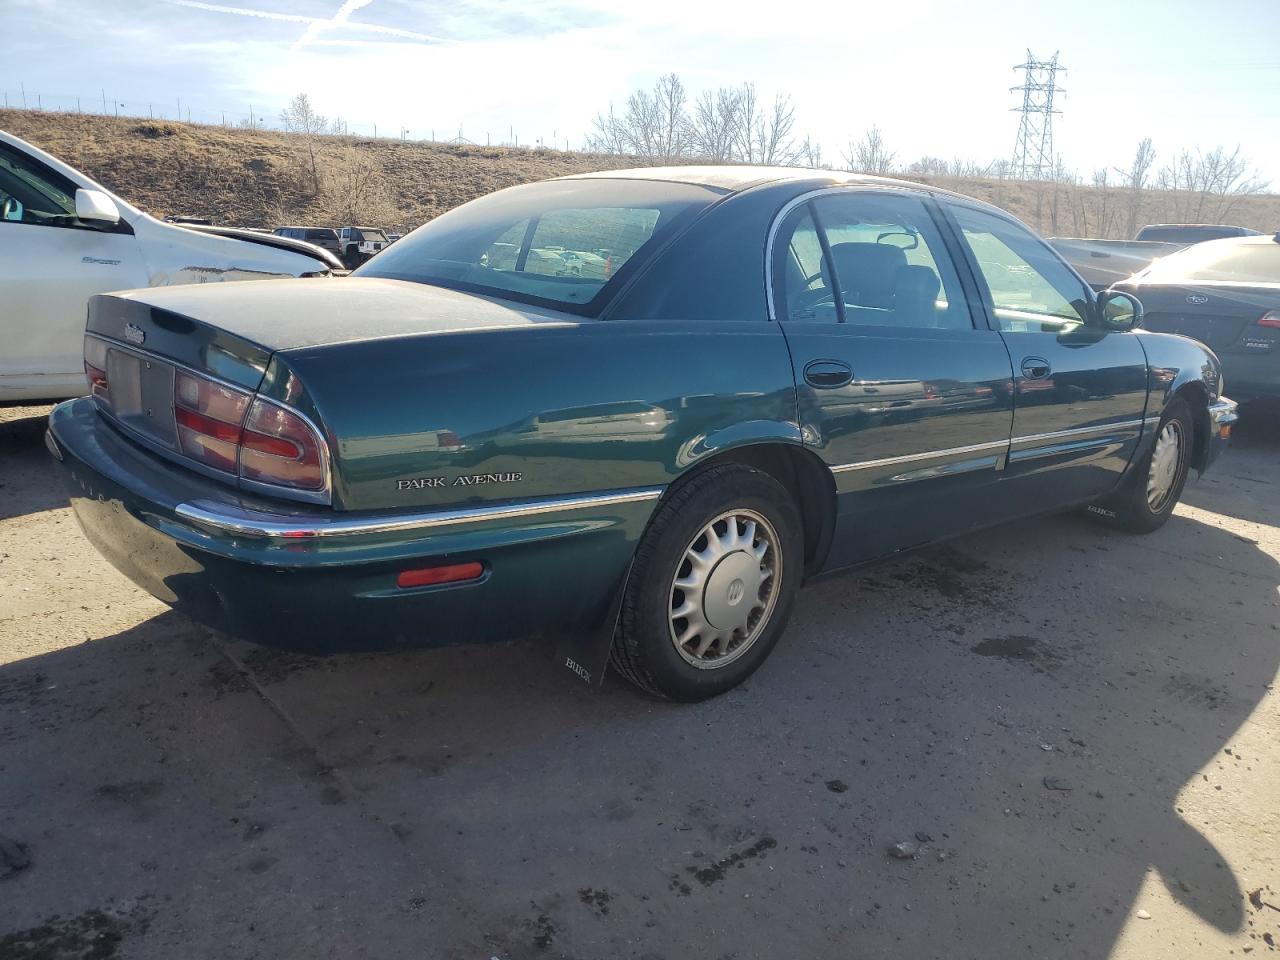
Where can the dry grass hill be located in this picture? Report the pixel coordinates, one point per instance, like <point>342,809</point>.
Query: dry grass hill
<point>264,178</point>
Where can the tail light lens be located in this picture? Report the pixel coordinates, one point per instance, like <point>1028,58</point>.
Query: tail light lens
<point>1270,319</point>
<point>280,447</point>
<point>232,430</point>
<point>209,418</point>
<point>95,367</point>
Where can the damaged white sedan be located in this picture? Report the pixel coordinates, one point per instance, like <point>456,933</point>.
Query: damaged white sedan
<point>64,238</point>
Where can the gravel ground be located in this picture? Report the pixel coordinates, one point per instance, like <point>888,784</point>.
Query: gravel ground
<point>1074,732</point>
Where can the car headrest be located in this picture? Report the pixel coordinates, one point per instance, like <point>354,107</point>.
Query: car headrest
<point>917,283</point>
<point>866,271</point>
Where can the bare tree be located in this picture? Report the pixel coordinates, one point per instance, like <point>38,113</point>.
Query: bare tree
<point>610,135</point>
<point>356,189</point>
<point>774,141</point>
<point>714,124</point>
<point>1136,180</point>
<point>870,155</point>
<point>300,118</point>
<point>725,125</point>
<point>1209,185</point>
<point>809,154</point>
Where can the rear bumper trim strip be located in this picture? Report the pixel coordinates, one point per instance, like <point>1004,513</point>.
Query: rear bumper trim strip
<point>238,521</point>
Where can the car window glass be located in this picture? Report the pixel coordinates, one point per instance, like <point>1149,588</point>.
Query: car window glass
<point>1031,288</point>
<point>891,265</point>
<point>559,243</point>
<point>800,279</point>
<point>32,193</point>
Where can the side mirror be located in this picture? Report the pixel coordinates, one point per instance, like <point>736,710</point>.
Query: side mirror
<point>12,209</point>
<point>94,205</point>
<point>1119,311</point>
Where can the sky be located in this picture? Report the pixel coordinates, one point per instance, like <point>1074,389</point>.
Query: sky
<point>934,76</point>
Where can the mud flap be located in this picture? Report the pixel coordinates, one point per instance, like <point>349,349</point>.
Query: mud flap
<point>584,649</point>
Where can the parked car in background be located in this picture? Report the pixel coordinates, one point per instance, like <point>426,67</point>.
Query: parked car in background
<point>325,237</point>
<point>358,244</point>
<point>786,372</point>
<point>64,238</point>
<point>1224,293</point>
<point>1104,262</point>
<point>1188,233</point>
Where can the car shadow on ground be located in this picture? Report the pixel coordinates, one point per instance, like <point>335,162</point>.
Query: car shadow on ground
<point>25,461</point>
<point>1243,483</point>
<point>1040,711</point>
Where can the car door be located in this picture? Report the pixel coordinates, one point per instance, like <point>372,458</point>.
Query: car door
<point>50,264</point>
<point>1080,389</point>
<point>900,393</point>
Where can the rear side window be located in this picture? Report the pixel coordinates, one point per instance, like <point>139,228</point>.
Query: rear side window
<point>566,244</point>
<point>1226,262</point>
<point>869,259</point>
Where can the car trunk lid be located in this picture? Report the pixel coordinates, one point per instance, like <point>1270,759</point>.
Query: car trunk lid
<point>1220,315</point>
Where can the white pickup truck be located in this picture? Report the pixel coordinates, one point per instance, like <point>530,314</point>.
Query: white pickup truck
<point>64,237</point>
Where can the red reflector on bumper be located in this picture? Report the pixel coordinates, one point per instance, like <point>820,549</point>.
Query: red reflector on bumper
<point>427,576</point>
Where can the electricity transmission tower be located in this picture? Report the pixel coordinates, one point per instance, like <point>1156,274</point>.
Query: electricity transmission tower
<point>1033,157</point>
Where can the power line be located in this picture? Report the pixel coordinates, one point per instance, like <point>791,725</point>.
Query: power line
<point>1033,156</point>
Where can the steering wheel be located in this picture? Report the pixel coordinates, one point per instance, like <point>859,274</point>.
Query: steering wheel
<point>808,299</point>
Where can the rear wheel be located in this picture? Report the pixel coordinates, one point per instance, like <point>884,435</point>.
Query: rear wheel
<point>712,585</point>
<point>1153,491</point>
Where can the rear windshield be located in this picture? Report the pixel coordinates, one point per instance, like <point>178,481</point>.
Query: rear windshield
<point>566,244</point>
<point>321,235</point>
<point>1224,261</point>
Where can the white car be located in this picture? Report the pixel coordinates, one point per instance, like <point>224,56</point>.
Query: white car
<point>64,238</point>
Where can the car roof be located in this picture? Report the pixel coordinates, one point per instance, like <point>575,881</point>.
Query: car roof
<point>735,178</point>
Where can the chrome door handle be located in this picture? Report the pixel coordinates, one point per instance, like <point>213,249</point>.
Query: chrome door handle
<point>827,374</point>
<point>1036,368</point>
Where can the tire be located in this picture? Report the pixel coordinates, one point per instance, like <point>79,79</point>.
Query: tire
<point>1154,489</point>
<point>725,639</point>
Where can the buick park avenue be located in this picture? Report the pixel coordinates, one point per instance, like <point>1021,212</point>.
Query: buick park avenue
<point>772,374</point>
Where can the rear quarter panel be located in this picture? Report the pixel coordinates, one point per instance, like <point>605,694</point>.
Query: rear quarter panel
<point>541,410</point>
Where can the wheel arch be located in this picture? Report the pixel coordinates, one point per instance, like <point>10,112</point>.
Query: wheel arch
<point>800,471</point>
<point>1196,396</point>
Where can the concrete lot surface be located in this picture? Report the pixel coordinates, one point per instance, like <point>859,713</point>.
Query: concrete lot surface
<point>1075,729</point>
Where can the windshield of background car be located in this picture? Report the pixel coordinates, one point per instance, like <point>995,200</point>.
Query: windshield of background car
<point>565,244</point>
<point>1229,262</point>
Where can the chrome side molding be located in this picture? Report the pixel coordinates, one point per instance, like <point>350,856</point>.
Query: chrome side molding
<point>225,518</point>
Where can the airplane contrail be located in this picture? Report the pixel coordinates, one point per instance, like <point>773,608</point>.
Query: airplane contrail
<point>313,29</point>
<point>319,22</point>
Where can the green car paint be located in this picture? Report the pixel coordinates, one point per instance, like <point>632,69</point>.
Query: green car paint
<point>538,439</point>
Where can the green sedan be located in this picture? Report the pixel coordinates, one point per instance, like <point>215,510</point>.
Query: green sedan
<point>773,374</point>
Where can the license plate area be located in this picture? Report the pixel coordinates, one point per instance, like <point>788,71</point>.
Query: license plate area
<point>142,396</point>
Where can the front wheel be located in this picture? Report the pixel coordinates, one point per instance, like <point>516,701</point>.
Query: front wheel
<point>712,585</point>
<point>1154,489</point>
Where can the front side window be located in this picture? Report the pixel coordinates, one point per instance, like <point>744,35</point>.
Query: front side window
<point>1032,290</point>
<point>32,193</point>
<point>566,244</point>
<point>868,259</point>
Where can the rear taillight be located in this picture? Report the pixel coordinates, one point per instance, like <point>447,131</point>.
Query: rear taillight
<point>95,367</point>
<point>232,430</point>
<point>209,418</point>
<point>280,447</point>
<point>1270,319</point>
